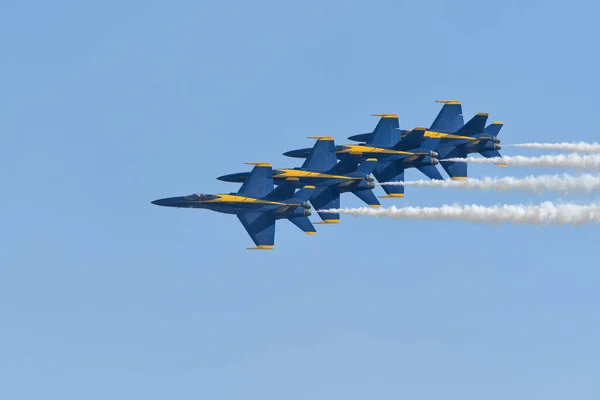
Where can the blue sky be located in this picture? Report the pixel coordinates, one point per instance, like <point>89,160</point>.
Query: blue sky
<point>106,106</point>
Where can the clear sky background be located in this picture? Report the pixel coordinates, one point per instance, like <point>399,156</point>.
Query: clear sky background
<point>106,106</point>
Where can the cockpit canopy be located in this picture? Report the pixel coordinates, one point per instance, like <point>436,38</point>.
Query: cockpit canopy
<point>200,197</point>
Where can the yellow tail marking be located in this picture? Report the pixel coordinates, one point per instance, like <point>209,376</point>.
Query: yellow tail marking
<point>385,115</point>
<point>311,233</point>
<point>497,123</point>
<point>459,178</point>
<point>328,221</point>
<point>483,114</point>
<point>392,196</point>
<point>375,205</point>
<point>448,101</point>
<point>321,137</point>
<point>259,164</point>
<point>261,247</point>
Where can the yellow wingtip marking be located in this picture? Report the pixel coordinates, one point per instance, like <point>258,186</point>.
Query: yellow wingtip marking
<point>375,205</point>
<point>392,196</point>
<point>483,114</point>
<point>321,137</point>
<point>328,221</point>
<point>497,123</point>
<point>385,115</point>
<point>259,164</point>
<point>459,178</point>
<point>448,101</point>
<point>308,187</point>
<point>261,247</point>
<point>311,233</point>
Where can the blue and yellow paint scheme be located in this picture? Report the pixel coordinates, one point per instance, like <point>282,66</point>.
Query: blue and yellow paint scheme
<point>450,137</point>
<point>330,178</point>
<point>393,155</point>
<point>258,204</point>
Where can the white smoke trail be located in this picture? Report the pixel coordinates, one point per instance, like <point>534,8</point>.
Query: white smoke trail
<point>559,161</point>
<point>554,183</point>
<point>542,214</point>
<point>575,146</point>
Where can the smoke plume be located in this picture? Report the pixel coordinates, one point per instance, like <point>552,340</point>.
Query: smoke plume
<point>591,162</point>
<point>543,214</point>
<point>553,183</point>
<point>575,146</point>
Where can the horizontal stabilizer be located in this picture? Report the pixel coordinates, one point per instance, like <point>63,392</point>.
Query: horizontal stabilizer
<point>284,191</point>
<point>304,224</point>
<point>368,197</point>
<point>490,153</point>
<point>431,172</point>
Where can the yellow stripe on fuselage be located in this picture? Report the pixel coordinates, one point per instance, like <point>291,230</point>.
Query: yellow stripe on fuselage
<point>231,198</point>
<point>297,173</point>
<point>368,149</point>
<point>440,135</point>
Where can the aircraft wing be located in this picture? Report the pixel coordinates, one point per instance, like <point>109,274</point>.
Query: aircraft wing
<point>327,198</point>
<point>261,228</point>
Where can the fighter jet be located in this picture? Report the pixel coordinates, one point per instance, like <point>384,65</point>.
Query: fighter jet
<point>450,137</point>
<point>257,205</point>
<point>331,178</point>
<point>393,156</point>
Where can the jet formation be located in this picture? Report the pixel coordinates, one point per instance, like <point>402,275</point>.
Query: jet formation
<point>267,195</point>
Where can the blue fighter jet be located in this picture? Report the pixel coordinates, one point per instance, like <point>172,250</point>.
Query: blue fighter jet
<point>257,205</point>
<point>393,155</point>
<point>331,178</point>
<point>450,137</point>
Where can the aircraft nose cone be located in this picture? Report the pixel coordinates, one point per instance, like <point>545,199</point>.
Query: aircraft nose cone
<point>159,202</point>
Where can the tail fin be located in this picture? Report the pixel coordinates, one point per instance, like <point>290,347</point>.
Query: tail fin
<point>348,163</point>
<point>493,129</point>
<point>284,191</point>
<point>474,126</point>
<point>450,117</point>
<point>304,193</point>
<point>304,224</point>
<point>259,182</point>
<point>322,156</point>
<point>367,166</point>
<point>412,138</point>
<point>386,133</point>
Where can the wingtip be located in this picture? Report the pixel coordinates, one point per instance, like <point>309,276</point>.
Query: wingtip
<point>261,247</point>
<point>448,101</point>
<point>385,115</point>
<point>392,196</point>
